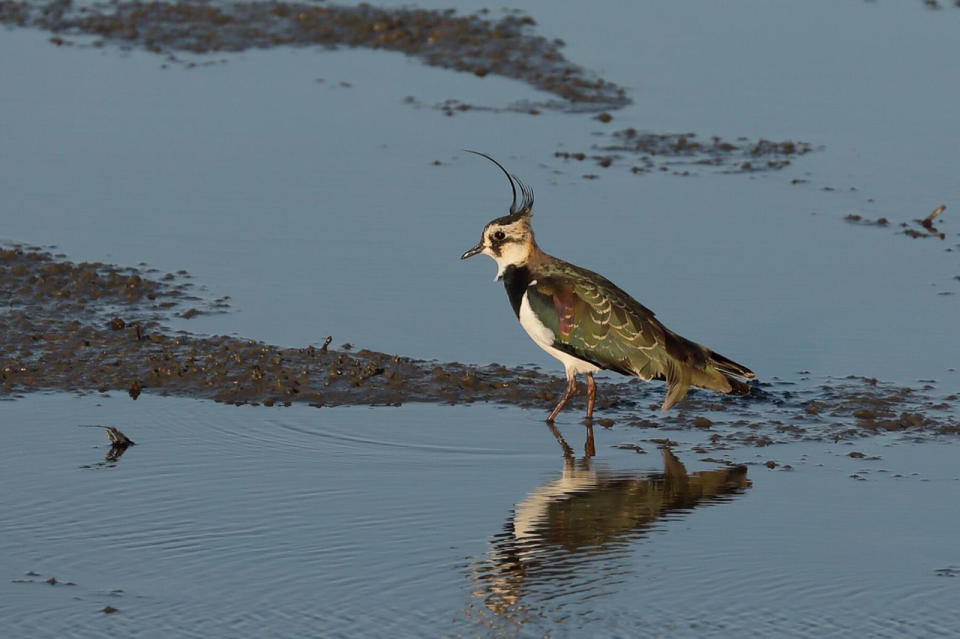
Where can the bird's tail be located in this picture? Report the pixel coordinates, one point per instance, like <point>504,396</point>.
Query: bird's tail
<point>733,372</point>
<point>718,373</point>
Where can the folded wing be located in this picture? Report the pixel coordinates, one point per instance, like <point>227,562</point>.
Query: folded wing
<point>594,320</point>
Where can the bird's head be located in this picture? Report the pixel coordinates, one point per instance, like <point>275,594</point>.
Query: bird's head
<point>508,239</point>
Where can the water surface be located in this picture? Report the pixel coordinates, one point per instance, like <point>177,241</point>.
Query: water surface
<point>318,207</point>
<point>463,521</point>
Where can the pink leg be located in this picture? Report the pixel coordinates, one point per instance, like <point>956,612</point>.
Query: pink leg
<point>571,389</point>
<point>591,394</point>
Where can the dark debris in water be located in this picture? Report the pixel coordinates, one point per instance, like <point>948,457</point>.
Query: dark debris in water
<point>919,228</point>
<point>936,4</point>
<point>55,341</point>
<point>452,106</point>
<point>854,218</point>
<point>28,578</point>
<point>117,438</point>
<point>119,443</point>
<point>928,224</point>
<point>472,43</point>
<point>924,228</point>
<point>681,153</point>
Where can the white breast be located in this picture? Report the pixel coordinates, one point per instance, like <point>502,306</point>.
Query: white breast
<point>544,337</point>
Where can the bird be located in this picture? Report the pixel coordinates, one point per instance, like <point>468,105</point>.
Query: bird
<point>588,323</point>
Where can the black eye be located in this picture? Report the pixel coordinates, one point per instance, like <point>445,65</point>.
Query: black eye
<point>499,235</point>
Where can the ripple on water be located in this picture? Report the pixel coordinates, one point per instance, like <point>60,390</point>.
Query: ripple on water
<point>227,521</point>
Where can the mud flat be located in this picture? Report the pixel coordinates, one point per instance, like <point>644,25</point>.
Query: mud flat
<point>473,44</point>
<point>477,44</point>
<point>91,327</point>
<point>683,153</point>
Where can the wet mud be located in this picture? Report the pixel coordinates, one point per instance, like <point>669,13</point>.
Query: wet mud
<point>87,328</point>
<point>93,598</point>
<point>476,44</point>
<point>684,153</point>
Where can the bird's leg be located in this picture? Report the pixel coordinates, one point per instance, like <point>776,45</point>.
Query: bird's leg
<point>591,395</point>
<point>571,389</point>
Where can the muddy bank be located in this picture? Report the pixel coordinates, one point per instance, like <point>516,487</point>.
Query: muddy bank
<point>684,153</point>
<point>474,44</point>
<point>477,44</point>
<point>99,328</point>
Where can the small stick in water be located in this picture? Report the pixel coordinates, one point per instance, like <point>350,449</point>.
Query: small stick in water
<point>928,221</point>
<point>117,438</point>
<point>119,444</point>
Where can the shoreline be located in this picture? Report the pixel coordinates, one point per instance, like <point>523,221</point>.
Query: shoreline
<point>93,327</point>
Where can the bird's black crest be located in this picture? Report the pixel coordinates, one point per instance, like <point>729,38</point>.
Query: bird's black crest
<point>526,203</point>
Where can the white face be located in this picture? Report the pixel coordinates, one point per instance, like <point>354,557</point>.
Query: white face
<point>506,242</point>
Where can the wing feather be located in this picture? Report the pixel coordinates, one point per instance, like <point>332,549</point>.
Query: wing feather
<point>594,320</point>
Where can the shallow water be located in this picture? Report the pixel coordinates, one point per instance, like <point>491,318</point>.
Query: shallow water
<point>317,207</point>
<point>462,521</point>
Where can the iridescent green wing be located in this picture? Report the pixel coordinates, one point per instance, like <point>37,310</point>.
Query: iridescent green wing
<point>594,320</point>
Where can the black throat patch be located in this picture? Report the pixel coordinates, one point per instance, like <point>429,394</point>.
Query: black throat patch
<point>516,279</point>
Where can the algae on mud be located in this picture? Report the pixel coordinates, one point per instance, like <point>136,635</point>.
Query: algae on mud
<point>96,327</point>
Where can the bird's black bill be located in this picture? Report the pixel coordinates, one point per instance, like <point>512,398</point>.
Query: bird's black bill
<point>476,249</point>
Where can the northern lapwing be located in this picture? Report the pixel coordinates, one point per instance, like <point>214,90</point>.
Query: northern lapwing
<point>587,322</point>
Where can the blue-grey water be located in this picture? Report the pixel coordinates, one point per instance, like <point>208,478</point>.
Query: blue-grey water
<point>317,208</point>
<point>433,521</point>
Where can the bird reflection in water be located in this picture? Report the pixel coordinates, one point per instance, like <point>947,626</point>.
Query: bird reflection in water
<point>572,535</point>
